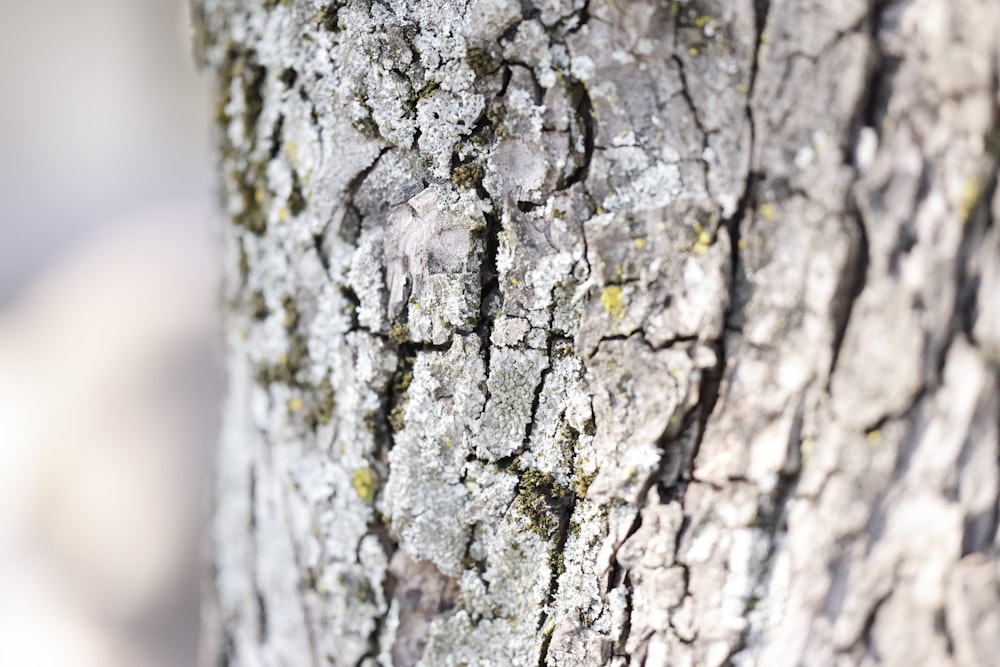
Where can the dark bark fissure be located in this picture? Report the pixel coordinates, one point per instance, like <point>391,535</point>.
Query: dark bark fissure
<point>694,423</point>
<point>979,221</point>
<point>343,209</point>
<point>585,125</point>
<point>744,215</point>
<point>563,504</point>
<point>491,299</point>
<point>302,591</point>
<point>669,487</point>
<point>870,115</point>
<point>259,604</point>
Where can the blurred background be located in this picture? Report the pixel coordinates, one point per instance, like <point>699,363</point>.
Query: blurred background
<point>109,378</point>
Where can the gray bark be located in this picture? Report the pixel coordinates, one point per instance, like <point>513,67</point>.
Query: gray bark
<point>608,333</point>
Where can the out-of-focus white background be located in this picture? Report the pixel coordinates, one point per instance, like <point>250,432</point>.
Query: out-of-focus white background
<point>108,362</point>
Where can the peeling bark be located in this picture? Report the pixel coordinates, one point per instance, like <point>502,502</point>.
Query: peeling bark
<point>582,332</point>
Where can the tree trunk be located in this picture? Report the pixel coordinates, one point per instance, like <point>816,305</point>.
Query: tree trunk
<point>620,332</point>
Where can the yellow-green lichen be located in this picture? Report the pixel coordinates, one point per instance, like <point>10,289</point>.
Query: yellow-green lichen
<point>703,241</point>
<point>292,151</point>
<point>363,482</point>
<point>806,448</point>
<point>970,198</point>
<point>613,302</point>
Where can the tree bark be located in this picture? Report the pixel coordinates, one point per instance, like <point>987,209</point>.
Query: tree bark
<point>598,332</point>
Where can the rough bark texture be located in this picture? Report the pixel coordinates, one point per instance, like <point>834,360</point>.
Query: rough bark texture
<point>609,333</point>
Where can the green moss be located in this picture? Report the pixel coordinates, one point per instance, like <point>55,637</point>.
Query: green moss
<point>403,381</point>
<point>243,263</point>
<point>533,507</point>
<point>328,16</point>
<point>285,368</point>
<point>367,127</point>
<point>309,578</point>
<point>244,175</point>
<point>563,349</point>
<point>399,334</point>
<point>258,306</point>
<point>481,62</point>
<point>296,200</point>
<point>253,92</point>
<point>373,422</point>
<point>226,73</point>
<point>291,319</point>
<point>495,113</point>
<point>323,409</point>
<point>556,562</point>
<point>288,77</point>
<point>400,385</point>
<point>582,482</point>
<point>543,482</point>
<point>298,350</point>
<point>426,92</point>
<point>251,186</point>
<point>467,175</point>
<point>397,417</point>
<point>540,500</point>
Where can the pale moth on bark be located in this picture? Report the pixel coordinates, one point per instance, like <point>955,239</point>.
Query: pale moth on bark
<point>607,332</point>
